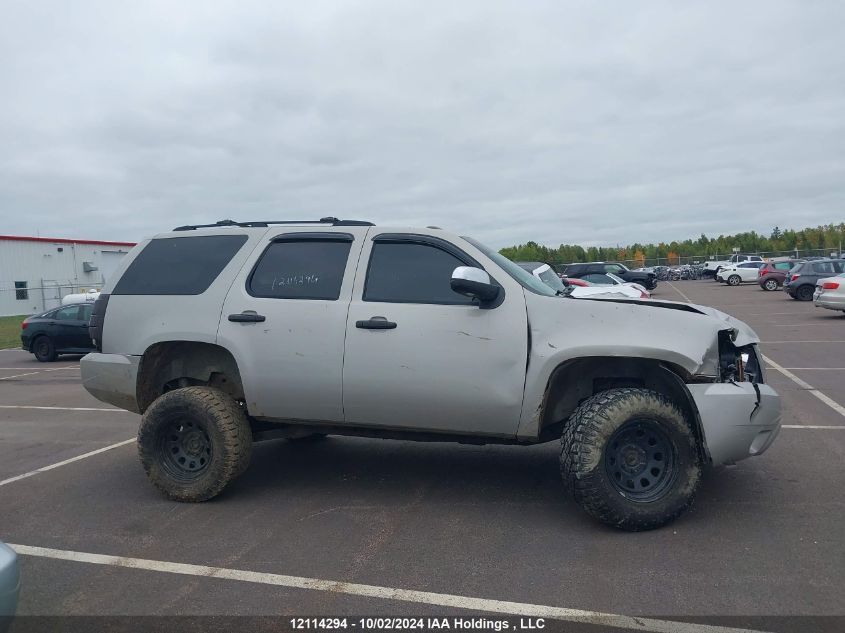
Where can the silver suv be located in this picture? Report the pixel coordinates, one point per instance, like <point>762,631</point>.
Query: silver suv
<point>224,334</point>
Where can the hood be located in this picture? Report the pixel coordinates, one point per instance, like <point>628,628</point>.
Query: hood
<point>741,333</point>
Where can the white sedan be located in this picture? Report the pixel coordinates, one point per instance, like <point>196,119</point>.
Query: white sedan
<point>617,284</point>
<point>830,293</point>
<point>613,289</point>
<point>738,273</point>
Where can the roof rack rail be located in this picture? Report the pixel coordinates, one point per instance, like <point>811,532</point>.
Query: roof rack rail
<point>266,223</point>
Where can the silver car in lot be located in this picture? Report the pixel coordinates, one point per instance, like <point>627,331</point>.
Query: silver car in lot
<point>830,293</point>
<point>10,583</point>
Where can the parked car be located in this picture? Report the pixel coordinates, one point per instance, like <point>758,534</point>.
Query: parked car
<point>772,275</point>
<point>544,273</point>
<point>830,293</point>
<point>646,279</point>
<point>712,267</point>
<point>611,280</point>
<point>738,273</point>
<point>59,331</point>
<point>801,280</point>
<point>267,329</point>
<point>572,281</point>
<point>10,584</point>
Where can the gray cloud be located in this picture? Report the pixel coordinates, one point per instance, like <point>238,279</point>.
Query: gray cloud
<point>596,123</point>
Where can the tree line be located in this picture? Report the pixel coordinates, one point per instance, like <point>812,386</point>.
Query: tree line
<point>827,237</point>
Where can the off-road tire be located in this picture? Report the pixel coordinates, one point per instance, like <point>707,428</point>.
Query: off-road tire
<point>44,349</point>
<point>804,293</point>
<point>734,280</point>
<point>226,429</point>
<point>584,448</point>
<point>770,284</point>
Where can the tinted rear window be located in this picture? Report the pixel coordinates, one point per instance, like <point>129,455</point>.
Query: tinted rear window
<point>179,266</point>
<point>827,268</point>
<point>308,269</point>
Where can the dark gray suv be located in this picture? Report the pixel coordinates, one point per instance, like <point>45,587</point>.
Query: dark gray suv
<point>801,281</point>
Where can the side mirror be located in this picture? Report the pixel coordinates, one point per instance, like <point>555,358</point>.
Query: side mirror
<point>474,282</point>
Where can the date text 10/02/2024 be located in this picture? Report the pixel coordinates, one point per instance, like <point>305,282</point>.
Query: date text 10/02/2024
<point>417,624</point>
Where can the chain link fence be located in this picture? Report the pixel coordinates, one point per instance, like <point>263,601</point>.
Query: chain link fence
<point>20,298</point>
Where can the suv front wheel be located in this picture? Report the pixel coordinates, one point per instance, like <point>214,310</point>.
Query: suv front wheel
<point>630,458</point>
<point>193,441</point>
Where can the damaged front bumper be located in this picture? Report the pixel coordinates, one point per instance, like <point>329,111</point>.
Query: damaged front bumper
<point>739,419</point>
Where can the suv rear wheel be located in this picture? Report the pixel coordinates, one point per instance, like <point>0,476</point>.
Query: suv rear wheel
<point>630,458</point>
<point>193,441</point>
<point>804,293</point>
<point>770,284</point>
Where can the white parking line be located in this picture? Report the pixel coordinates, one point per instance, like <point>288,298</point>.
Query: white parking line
<point>801,324</point>
<point>32,373</point>
<point>19,368</point>
<point>815,368</point>
<point>781,342</point>
<point>385,593</point>
<point>825,427</point>
<point>688,300</point>
<point>40,371</point>
<point>30,406</point>
<point>807,386</point>
<point>65,462</point>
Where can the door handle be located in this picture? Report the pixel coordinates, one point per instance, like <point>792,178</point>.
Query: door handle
<point>247,317</point>
<point>376,323</point>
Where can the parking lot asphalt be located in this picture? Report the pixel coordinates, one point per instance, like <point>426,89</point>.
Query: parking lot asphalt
<point>764,538</point>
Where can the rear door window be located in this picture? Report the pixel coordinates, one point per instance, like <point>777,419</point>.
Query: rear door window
<point>70,313</point>
<point>302,266</point>
<point>596,278</point>
<point>179,265</point>
<point>823,268</point>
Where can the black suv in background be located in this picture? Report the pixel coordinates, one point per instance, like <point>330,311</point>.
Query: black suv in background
<point>801,281</point>
<point>648,280</point>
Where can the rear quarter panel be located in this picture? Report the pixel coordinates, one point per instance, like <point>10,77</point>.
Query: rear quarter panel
<point>135,322</point>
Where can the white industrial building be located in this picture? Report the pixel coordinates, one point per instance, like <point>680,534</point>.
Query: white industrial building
<point>36,272</point>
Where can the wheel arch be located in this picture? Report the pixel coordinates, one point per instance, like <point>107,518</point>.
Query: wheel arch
<point>168,365</point>
<point>577,379</point>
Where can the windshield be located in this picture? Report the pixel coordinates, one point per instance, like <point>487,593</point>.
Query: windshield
<point>617,280</point>
<point>522,277</point>
<point>550,278</point>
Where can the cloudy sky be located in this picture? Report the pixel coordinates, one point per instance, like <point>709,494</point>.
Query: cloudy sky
<point>577,122</point>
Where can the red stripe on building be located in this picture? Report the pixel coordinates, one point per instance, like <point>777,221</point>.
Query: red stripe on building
<point>61,240</point>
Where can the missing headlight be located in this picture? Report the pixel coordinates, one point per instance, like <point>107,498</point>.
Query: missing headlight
<point>738,364</point>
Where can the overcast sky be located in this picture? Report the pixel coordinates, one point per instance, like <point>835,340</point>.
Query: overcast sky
<point>576,122</point>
